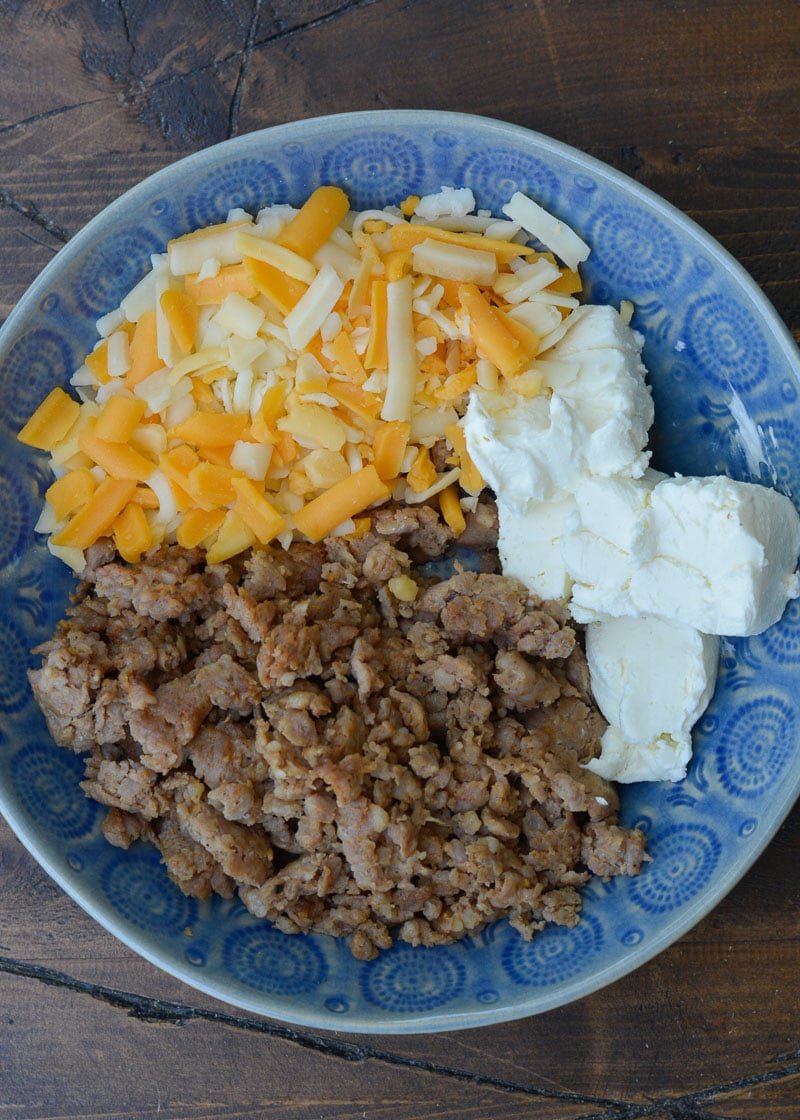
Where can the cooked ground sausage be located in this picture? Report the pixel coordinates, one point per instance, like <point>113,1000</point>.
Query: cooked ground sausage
<point>349,762</point>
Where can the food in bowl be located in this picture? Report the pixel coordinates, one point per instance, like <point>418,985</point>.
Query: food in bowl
<point>380,867</point>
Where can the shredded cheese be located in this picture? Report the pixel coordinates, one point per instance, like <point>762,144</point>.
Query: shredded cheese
<point>276,377</point>
<point>401,355</point>
<point>555,234</point>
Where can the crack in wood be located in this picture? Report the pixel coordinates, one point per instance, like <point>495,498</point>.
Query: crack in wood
<point>32,212</point>
<point>48,114</point>
<point>673,1109</point>
<point>145,1009</point>
<point>238,90</point>
<point>285,32</point>
<point>740,1084</point>
<point>126,26</point>
<point>35,241</point>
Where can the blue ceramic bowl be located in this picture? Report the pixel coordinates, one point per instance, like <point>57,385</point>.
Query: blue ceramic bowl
<point>724,372</point>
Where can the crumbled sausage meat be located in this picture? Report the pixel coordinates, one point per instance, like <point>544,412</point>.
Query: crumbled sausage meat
<point>284,728</point>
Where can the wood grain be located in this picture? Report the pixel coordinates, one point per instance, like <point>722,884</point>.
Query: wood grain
<point>699,101</point>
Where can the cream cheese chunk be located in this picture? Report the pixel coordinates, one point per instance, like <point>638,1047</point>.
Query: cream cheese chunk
<point>592,419</point>
<point>711,553</point>
<point>529,545</point>
<point>652,680</point>
<point>528,450</point>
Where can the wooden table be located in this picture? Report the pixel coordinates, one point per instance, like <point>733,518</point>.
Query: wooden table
<point>698,100</point>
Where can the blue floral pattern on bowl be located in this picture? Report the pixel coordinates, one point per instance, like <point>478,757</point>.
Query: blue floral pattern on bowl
<point>715,349</point>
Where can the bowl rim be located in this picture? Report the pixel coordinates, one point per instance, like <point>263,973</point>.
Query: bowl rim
<point>360,120</point>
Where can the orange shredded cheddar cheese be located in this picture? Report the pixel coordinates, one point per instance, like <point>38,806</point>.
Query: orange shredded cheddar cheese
<point>422,473</point>
<point>197,525</point>
<point>132,533</point>
<point>376,354</point>
<point>389,447</point>
<point>345,356</point>
<point>342,501</point>
<point>365,405</point>
<point>51,421</point>
<point>144,357</point>
<point>284,291</point>
<point>95,519</point>
<point>361,526</point>
<point>97,361</point>
<point>315,221</point>
<point>118,460</point>
<point>458,383</point>
<point>233,536</point>
<point>451,510</point>
<point>257,512</point>
<point>470,475</point>
<point>119,418</point>
<point>210,484</point>
<point>568,283</point>
<point>213,289</point>
<point>145,497</point>
<point>70,492</point>
<point>489,332</point>
<point>407,235</point>
<point>182,315</point>
<point>211,429</point>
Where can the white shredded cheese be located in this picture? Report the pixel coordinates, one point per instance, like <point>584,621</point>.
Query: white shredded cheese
<point>455,262</point>
<point>106,324</point>
<point>252,459</point>
<point>140,298</point>
<point>448,202</point>
<point>313,307</point>
<point>239,316</point>
<point>118,354</point>
<point>188,254</point>
<point>551,231</point>
<point>402,372</point>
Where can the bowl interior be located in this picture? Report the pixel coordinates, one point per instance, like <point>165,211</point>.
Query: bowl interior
<point>724,373</point>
